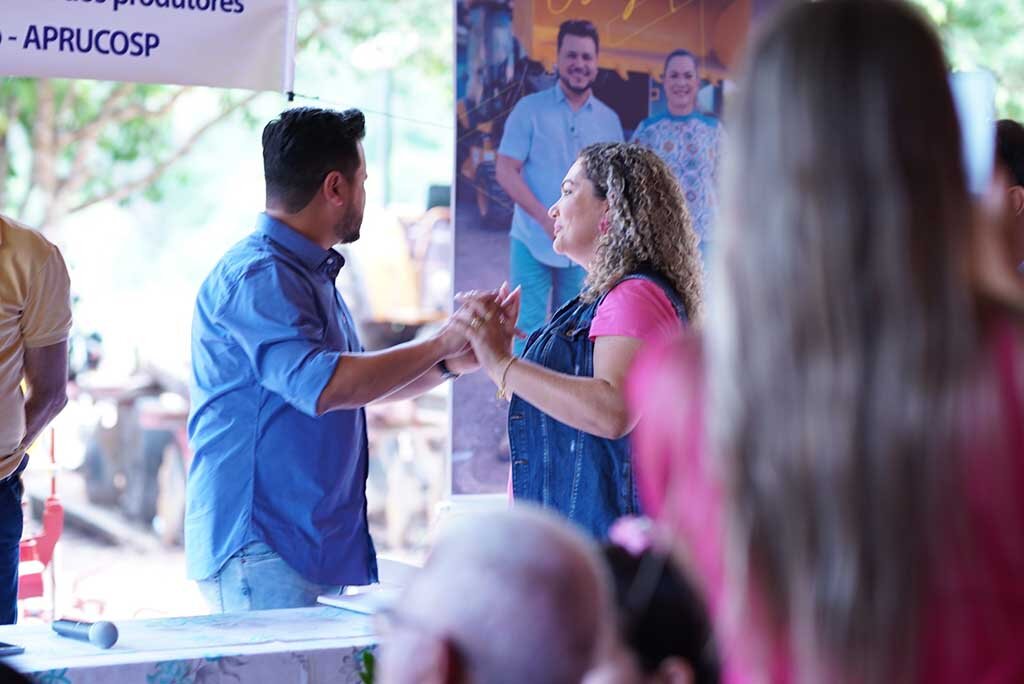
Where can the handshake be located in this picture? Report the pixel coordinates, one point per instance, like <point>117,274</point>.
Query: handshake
<point>481,332</point>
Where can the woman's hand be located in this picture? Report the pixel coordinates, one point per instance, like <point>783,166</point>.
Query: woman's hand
<point>487,320</point>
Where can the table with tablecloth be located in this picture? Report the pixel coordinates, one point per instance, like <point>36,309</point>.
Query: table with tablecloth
<point>309,645</point>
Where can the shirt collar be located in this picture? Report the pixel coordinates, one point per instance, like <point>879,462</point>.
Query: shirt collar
<point>560,97</point>
<point>695,114</point>
<point>312,255</point>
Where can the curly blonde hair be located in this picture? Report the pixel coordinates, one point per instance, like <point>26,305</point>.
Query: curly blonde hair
<point>649,225</point>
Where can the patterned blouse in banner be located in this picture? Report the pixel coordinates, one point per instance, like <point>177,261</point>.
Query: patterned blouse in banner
<point>690,146</point>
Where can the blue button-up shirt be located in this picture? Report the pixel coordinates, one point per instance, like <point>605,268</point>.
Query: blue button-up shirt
<point>268,330</point>
<point>546,134</point>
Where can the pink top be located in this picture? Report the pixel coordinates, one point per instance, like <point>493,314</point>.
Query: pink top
<point>636,308</point>
<point>973,628</point>
<point>633,308</point>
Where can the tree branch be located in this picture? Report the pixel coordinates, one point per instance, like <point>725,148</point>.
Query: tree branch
<point>111,113</point>
<point>132,187</point>
<point>323,26</point>
<point>10,112</point>
<point>44,152</point>
<point>68,102</point>
<point>88,138</point>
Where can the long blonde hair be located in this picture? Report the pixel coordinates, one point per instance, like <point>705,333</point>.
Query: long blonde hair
<point>649,225</point>
<point>842,337</point>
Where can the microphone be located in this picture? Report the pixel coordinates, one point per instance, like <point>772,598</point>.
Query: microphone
<point>102,634</point>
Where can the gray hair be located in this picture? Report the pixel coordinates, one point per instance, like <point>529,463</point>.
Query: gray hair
<point>523,596</point>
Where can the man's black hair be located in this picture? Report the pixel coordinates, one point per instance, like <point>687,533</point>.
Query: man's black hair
<point>580,28</point>
<point>669,620</point>
<point>301,146</point>
<point>1010,148</point>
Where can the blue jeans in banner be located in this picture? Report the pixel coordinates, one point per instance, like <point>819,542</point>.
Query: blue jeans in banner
<point>10,547</point>
<point>545,288</point>
<point>256,578</point>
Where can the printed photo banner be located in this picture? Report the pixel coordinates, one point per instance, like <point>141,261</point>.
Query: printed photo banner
<point>246,44</point>
<point>508,103</point>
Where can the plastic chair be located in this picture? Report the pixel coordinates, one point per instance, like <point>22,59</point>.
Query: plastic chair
<point>37,551</point>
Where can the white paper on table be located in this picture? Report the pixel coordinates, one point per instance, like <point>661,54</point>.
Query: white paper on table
<point>367,600</point>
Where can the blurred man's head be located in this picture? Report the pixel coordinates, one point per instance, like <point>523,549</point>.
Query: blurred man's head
<point>577,55</point>
<point>509,597</point>
<point>1010,151</point>
<point>313,162</point>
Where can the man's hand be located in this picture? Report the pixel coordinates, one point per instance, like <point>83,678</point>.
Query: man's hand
<point>489,322</point>
<point>508,302</point>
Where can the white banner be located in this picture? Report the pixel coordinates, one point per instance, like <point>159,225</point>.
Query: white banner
<point>226,43</point>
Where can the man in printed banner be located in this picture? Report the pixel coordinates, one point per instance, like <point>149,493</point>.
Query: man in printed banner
<point>35,321</point>
<point>688,140</point>
<point>276,500</point>
<point>543,135</point>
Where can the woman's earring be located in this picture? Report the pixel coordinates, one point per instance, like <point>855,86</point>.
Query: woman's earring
<point>602,227</point>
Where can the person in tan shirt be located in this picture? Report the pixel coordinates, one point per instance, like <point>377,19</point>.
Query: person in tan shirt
<point>35,320</point>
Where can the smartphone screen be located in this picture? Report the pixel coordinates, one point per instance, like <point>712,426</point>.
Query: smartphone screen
<point>10,649</point>
<point>974,96</point>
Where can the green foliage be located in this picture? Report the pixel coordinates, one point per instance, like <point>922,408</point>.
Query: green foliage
<point>985,33</point>
<point>368,667</point>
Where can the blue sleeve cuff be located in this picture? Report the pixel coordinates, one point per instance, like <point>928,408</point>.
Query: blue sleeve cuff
<point>310,381</point>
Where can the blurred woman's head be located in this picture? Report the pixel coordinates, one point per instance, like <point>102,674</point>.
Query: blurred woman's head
<point>842,326</point>
<point>621,211</point>
<point>681,82</point>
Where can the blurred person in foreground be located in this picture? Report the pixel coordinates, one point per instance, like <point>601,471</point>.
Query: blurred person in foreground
<point>663,627</point>
<point>841,463</point>
<point>35,322</point>
<point>1010,153</point>
<point>622,218</point>
<point>276,498</point>
<point>504,598</point>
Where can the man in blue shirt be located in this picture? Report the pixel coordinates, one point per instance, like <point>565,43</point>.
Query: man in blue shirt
<point>276,502</point>
<point>543,135</point>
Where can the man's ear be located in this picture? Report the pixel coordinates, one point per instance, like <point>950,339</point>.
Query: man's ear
<point>1017,200</point>
<point>335,188</point>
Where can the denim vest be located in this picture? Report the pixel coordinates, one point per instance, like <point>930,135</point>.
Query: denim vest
<point>586,478</point>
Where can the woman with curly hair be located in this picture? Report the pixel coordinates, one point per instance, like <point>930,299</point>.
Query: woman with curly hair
<point>622,217</point>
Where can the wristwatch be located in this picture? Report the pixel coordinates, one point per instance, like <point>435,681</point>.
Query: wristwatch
<point>446,372</point>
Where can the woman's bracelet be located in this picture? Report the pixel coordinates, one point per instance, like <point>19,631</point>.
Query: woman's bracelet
<point>503,391</point>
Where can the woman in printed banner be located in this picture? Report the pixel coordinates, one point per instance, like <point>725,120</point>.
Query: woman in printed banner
<point>687,140</point>
<point>841,463</point>
<point>622,218</point>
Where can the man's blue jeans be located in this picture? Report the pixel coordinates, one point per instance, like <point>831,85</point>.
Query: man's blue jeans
<point>256,578</point>
<point>11,523</point>
<point>543,285</point>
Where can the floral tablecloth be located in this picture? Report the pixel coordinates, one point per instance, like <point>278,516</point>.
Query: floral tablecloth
<point>307,645</point>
